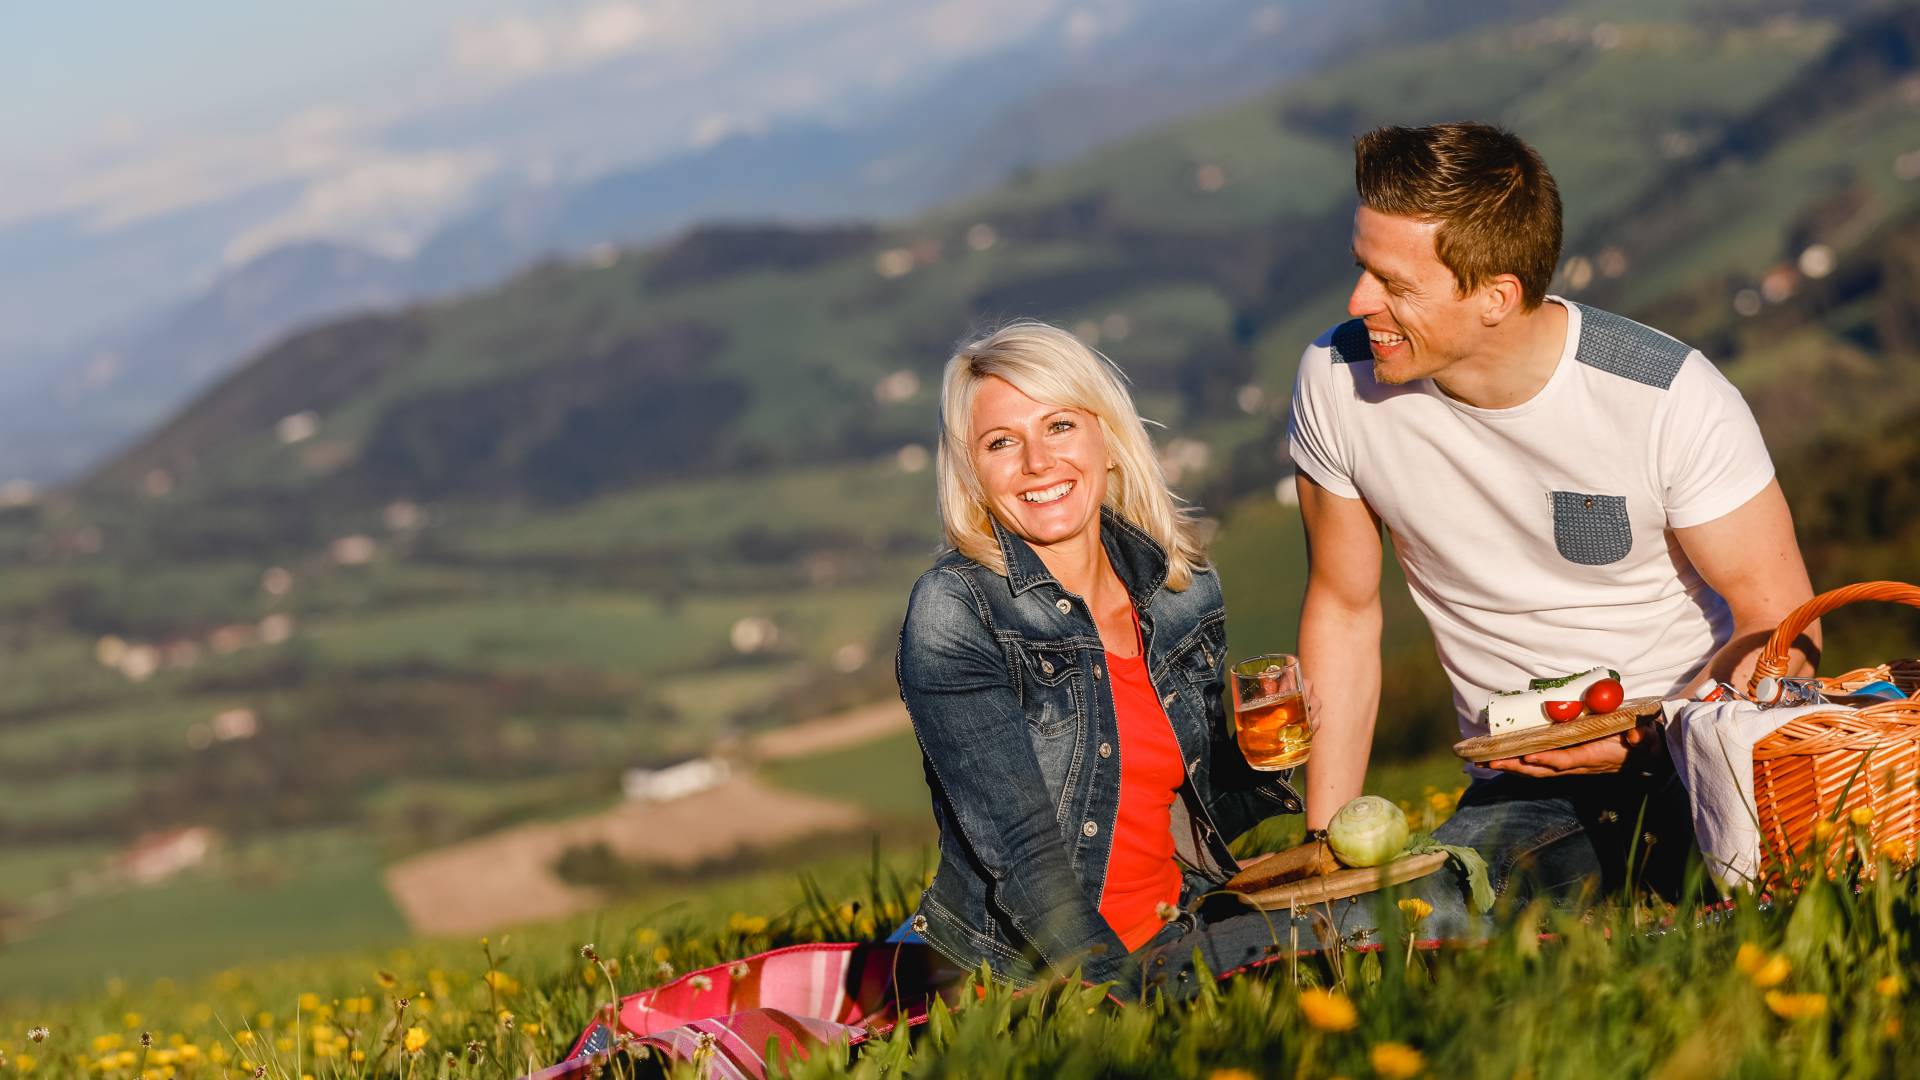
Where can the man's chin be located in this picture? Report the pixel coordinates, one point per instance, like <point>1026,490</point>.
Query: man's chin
<point>1395,374</point>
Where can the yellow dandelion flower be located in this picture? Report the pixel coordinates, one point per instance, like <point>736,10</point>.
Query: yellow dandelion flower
<point>1328,1010</point>
<point>357,1056</point>
<point>243,1037</point>
<point>24,1063</point>
<point>104,1043</point>
<point>1891,1029</point>
<point>1415,909</point>
<point>1894,850</point>
<point>1231,1074</point>
<point>387,979</point>
<point>531,1029</point>
<point>309,1001</point>
<point>1889,986</point>
<point>1823,830</point>
<point>1750,958</point>
<point>1861,816</point>
<point>1796,1006</point>
<point>130,1020</point>
<point>1440,800</point>
<point>502,982</point>
<point>661,954</point>
<point>1772,973</point>
<point>415,1041</point>
<point>1396,1061</point>
<point>645,936</point>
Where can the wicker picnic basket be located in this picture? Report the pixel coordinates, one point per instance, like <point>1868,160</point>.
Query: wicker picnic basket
<point>1823,766</point>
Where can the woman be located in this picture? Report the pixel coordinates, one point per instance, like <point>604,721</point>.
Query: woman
<point>1064,666</point>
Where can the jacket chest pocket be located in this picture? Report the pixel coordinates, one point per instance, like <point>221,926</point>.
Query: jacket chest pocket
<point>1053,693</point>
<point>1590,529</point>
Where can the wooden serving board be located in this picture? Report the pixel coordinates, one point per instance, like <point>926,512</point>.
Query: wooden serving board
<point>1507,744</point>
<point>1344,883</point>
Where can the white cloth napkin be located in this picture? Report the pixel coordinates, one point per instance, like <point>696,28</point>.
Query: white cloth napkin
<point>1712,746</point>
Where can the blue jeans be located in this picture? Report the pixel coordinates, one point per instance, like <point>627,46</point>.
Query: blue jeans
<point>1563,840</point>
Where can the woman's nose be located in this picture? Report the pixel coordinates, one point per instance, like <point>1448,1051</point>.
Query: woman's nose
<point>1037,458</point>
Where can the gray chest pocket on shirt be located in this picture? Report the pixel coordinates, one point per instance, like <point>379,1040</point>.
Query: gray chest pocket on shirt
<point>1591,529</point>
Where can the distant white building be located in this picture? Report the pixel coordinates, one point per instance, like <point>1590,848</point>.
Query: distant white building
<point>676,781</point>
<point>158,856</point>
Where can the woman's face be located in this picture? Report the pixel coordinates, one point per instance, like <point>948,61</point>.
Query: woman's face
<point>1043,467</point>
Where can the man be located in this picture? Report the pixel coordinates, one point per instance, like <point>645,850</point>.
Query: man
<point>1565,488</point>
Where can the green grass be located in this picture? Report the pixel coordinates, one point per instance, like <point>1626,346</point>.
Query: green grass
<point>1814,987</point>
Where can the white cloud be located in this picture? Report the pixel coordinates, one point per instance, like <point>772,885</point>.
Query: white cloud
<point>383,200</point>
<point>516,45</point>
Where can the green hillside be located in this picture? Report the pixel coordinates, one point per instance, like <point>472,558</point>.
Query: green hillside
<point>461,564</point>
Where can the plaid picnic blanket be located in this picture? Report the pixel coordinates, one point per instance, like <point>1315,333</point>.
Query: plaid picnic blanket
<point>734,1018</point>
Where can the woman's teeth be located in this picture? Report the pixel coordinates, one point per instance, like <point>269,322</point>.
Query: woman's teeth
<point>1047,495</point>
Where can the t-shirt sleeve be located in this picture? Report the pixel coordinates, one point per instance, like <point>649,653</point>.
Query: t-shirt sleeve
<point>1712,456</point>
<point>1316,439</point>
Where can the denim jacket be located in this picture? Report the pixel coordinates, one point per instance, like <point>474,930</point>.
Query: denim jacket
<point>1004,676</point>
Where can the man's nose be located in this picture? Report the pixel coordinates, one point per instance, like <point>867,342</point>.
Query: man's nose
<point>1366,298</point>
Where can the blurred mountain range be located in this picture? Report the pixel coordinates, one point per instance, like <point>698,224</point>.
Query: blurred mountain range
<point>950,132</point>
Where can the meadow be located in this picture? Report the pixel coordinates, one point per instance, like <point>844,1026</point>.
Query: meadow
<point>1808,985</point>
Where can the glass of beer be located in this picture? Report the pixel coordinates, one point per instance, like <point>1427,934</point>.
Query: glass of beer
<point>1270,712</point>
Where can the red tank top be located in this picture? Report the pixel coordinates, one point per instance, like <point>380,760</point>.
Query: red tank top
<point>1141,873</point>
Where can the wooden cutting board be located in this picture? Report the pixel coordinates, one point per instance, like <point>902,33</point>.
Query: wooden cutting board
<point>1509,744</point>
<point>1344,883</point>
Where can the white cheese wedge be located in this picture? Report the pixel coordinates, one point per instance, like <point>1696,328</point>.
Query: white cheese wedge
<point>1518,710</point>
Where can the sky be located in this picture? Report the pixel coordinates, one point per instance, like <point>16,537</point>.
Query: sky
<point>150,109</point>
<point>199,135</point>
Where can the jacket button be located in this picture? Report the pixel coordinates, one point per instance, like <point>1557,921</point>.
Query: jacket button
<point>1106,749</point>
<point>1046,666</point>
<point>1065,605</point>
<point>919,924</point>
<point>1096,671</point>
<point>1167,702</point>
<point>1089,829</point>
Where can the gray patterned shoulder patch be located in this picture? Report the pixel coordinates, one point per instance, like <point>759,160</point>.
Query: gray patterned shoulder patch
<point>1616,344</point>
<point>1349,343</point>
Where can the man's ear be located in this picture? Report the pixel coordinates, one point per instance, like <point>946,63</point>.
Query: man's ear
<point>1503,295</point>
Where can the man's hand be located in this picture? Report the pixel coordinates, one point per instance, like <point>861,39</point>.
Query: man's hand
<point>1605,755</point>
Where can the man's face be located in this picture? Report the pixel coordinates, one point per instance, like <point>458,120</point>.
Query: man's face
<point>1417,322</point>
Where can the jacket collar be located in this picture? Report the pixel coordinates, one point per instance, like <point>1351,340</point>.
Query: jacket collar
<point>1140,562</point>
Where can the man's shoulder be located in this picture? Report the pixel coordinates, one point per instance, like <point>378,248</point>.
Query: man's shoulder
<point>1630,350</point>
<point>1344,343</point>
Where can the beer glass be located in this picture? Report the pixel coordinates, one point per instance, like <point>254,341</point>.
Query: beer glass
<point>1270,712</point>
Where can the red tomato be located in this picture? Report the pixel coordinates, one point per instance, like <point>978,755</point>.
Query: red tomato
<point>1604,696</point>
<point>1562,711</point>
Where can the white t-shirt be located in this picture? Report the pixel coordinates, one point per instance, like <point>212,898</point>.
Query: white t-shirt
<point>1536,539</point>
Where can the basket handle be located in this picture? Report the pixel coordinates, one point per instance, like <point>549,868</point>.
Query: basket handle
<point>1773,657</point>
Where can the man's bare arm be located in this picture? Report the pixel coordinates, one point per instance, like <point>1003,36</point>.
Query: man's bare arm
<point>1340,642</point>
<point>1751,558</point>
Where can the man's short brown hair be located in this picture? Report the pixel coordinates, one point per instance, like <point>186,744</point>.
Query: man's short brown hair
<point>1498,207</point>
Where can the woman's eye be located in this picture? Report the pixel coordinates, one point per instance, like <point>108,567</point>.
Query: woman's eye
<point>1060,425</point>
<point>997,443</point>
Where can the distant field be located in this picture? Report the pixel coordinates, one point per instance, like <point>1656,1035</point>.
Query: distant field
<point>884,776</point>
<point>299,895</point>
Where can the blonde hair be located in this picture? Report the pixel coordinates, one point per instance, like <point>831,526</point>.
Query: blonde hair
<point>1052,366</point>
